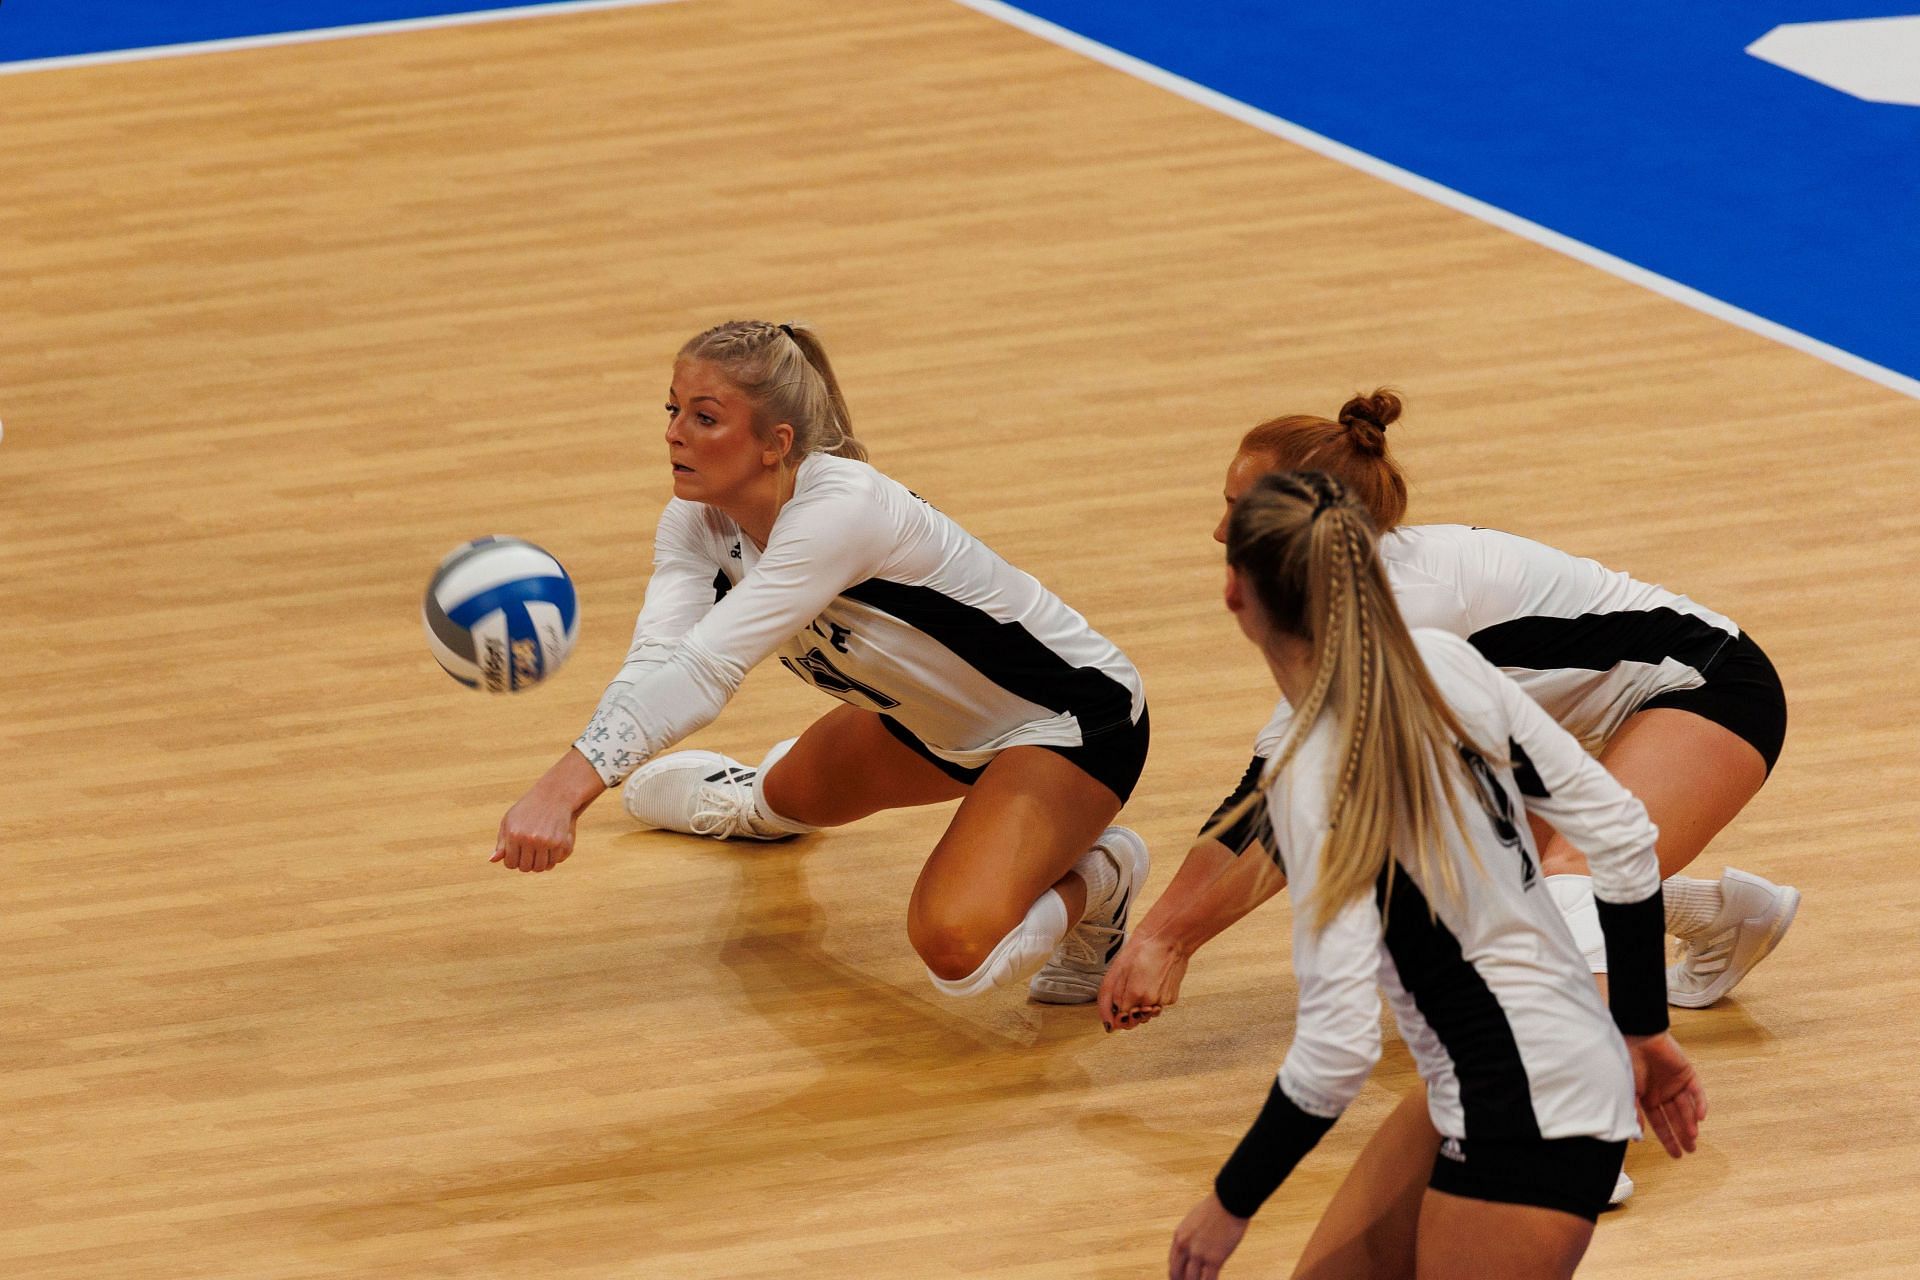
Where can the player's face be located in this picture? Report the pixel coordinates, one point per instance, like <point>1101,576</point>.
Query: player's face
<point>1245,469</point>
<point>711,444</point>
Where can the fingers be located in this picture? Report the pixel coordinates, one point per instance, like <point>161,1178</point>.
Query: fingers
<point>1113,1018</point>
<point>1656,1118</point>
<point>529,855</point>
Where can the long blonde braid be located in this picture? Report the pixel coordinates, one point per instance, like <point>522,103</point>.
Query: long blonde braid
<point>1308,551</point>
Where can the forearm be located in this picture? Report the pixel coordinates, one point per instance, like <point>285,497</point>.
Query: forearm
<point>1212,890</point>
<point>572,780</point>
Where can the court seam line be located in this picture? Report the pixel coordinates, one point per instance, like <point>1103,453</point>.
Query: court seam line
<point>313,35</point>
<point>1459,201</point>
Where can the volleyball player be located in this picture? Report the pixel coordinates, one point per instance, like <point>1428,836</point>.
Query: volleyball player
<point>1391,806</point>
<point>961,677</point>
<point>1680,705</point>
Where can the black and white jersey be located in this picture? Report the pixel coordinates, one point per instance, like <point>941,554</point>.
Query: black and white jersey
<point>868,593</point>
<point>1490,992</point>
<point>1589,644</point>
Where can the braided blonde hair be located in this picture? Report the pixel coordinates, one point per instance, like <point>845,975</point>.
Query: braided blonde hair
<point>783,370</point>
<point>1307,549</point>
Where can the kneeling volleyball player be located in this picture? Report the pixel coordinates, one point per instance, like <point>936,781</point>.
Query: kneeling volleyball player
<point>961,677</point>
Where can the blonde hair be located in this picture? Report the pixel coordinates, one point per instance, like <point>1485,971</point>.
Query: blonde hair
<point>1307,549</point>
<point>1353,450</point>
<point>784,372</point>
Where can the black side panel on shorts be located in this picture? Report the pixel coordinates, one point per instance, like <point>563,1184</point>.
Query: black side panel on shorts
<point>1005,653</point>
<point>1600,641</point>
<point>1454,999</point>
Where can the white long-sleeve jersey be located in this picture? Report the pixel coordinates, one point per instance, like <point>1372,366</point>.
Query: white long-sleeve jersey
<point>1586,642</point>
<point>1492,997</point>
<point>868,593</point>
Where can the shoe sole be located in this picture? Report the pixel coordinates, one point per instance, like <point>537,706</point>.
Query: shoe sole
<point>1076,991</point>
<point>1724,985</point>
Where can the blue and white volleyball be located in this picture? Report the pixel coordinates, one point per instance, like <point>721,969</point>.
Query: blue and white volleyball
<point>500,614</point>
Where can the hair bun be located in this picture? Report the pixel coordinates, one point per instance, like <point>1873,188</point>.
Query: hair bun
<point>1368,417</point>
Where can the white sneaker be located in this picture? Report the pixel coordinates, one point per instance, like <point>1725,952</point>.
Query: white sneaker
<point>701,793</point>
<point>1073,973</point>
<point>1622,1191</point>
<point>1751,923</point>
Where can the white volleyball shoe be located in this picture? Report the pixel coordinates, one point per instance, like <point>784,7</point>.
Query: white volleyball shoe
<point>699,793</point>
<point>1754,916</point>
<point>1072,975</point>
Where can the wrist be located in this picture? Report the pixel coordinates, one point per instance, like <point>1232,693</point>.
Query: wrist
<point>1159,935</point>
<point>573,781</point>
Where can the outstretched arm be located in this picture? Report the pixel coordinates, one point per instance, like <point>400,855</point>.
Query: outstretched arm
<point>1213,888</point>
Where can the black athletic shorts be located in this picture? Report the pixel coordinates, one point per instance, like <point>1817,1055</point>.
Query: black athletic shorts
<point>1573,1175</point>
<point>1742,693</point>
<point>1112,757</point>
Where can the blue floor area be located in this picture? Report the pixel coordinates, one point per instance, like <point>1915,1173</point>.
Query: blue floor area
<point>34,29</point>
<point>1640,127</point>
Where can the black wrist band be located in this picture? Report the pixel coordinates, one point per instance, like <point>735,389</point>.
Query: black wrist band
<point>1636,934</point>
<point>1279,1138</point>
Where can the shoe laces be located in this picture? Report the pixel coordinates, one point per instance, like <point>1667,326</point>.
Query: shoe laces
<point>1086,945</point>
<point>722,809</point>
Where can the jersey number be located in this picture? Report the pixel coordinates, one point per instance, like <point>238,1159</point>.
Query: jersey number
<point>1499,810</point>
<point>818,670</point>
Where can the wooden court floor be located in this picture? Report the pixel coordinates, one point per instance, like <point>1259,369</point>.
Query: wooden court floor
<point>281,327</point>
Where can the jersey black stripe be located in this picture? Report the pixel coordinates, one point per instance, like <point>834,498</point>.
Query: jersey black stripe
<point>1255,826</point>
<point>1525,774</point>
<point>1005,653</point>
<point>1600,641</point>
<point>1495,1097</point>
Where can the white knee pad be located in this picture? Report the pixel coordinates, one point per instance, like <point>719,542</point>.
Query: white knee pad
<point>762,811</point>
<point>1018,954</point>
<point>1574,896</point>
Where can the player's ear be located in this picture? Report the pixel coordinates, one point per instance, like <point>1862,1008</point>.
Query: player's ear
<point>1236,594</point>
<point>781,445</point>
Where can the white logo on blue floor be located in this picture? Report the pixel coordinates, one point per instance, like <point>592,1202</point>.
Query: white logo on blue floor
<point>1877,59</point>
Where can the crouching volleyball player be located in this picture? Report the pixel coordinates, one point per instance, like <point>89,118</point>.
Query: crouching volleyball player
<point>1677,701</point>
<point>1396,805</point>
<point>961,678</point>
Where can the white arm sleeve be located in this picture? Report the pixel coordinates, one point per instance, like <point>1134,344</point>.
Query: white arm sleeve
<point>1598,816</point>
<point>1336,1035</point>
<point>824,541</point>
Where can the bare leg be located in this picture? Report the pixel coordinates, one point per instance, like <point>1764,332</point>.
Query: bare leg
<point>1369,1228</point>
<point>1023,825</point>
<point>1462,1239</point>
<point>846,766</point>
<point>1693,775</point>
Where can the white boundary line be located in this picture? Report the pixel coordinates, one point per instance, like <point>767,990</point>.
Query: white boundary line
<point>1434,191</point>
<point>319,33</point>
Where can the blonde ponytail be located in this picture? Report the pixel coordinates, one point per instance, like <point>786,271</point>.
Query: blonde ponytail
<point>1308,551</point>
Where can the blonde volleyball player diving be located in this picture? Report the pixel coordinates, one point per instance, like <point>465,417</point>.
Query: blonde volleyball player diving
<point>960,678</point>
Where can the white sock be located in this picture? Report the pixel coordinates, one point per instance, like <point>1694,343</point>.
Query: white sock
<point>1097,867</point>
<point>1574,896</point>
<point>1692,905</point>
<point>1018,954</point>
<point>762,811</point>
